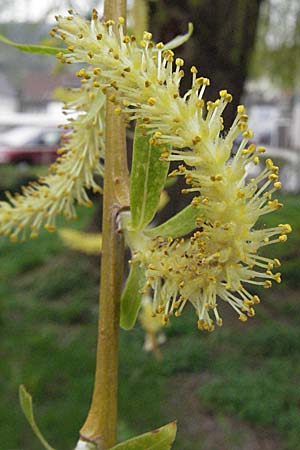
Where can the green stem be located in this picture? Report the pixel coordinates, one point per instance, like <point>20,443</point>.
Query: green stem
<point>100,426</point>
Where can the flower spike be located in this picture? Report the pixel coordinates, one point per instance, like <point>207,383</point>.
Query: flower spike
<point>68,178</point>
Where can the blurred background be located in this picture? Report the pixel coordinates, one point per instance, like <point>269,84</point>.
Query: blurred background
<point>237,388</point>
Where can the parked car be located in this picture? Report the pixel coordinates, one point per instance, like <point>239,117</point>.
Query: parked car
<point>30,145</point>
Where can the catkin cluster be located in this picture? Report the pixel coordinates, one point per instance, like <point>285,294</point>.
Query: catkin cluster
<point>222,257</point>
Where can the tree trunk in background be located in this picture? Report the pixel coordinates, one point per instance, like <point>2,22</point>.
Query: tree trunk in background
<point>223,38</point>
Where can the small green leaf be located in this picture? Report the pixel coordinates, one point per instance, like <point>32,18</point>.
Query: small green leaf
<point>160,439</point>
<point>131,297</point>
<point>39,49</point>
<point>148,177</point>
<point>26,405</point>
<point>180,39</point>
<point>179,225</point>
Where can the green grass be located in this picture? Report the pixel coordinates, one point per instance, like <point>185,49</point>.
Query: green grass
<point>48,323</point>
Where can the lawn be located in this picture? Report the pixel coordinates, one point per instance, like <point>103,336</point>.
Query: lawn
<point>237,388</point>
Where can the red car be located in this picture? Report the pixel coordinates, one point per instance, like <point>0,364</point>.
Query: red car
<point>30,145</point>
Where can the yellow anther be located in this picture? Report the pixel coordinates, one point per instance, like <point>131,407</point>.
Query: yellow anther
<point>200,103</point>
<point>243,317</point>
<point>217,177</point>
<point>241,109</point>
<point>194,69</point>
<point>248,302</point>
<point>282,238</point>
<point>277,277</point>
<point>147,36</point>
<point>248,134</point>
<point>200,324</point>
<point>160,45</point>
<point>165,320</point>
<point>223,93</point>
<point>165,154</point>
<point>179,62</point>
<point>97,71</point>
<point>196,140</point>
<point>50,228</point>
<point>267,284</point>
<point>121,20</point>
<point>195,202</point>
<point>261,149</point>
<point>275,204</point>
<point>251,312</point>
<point>277,263</point>
<point>256,299</point>
<point>273,177</point>
<point>117,110</point>
<point>126,39</point>
<point>94,14</point>
<point>209,105</point>
<point>285,227</point>
<point>242,126</point>
<point>269,163</point>
<point>277,185</point>
<point>151,101</point>
<point>256,160</point>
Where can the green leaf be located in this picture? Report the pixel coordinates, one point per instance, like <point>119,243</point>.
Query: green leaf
<point>26,405</point>
<point>181,224</point>
<point>160,439</point>
<point>39,49</point>
<point>180,39</point>
<point>131,297</point>
<point>147,180</point>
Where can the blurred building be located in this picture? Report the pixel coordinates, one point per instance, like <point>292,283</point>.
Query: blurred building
<point>8,95</point>
<point>274,116</point>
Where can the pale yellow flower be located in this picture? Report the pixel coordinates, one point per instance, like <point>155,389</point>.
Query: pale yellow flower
<point>222,256</point>
<point>69,177</point>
